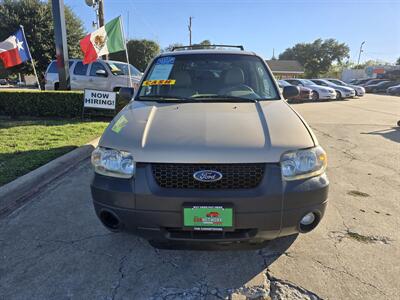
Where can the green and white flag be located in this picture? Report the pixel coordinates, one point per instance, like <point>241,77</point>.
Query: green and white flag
<point>107,39</point>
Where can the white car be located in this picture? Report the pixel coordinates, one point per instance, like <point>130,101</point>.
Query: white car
<point>360,91</point>
<point>342,92</point>
<point>104,75</point>
<point>319,92</point>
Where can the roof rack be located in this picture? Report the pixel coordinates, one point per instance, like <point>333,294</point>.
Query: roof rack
<point>195,47</point>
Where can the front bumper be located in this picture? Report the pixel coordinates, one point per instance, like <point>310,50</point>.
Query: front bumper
<point>327,96</point>
<point>271,210</point>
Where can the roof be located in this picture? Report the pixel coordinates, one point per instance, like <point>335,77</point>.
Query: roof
<point>285,66</point>
<point>206,51</point>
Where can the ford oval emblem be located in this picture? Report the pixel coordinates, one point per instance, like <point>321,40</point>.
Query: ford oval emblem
<point>207,176</point>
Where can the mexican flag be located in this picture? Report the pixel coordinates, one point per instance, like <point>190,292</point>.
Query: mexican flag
<point>107,39</point>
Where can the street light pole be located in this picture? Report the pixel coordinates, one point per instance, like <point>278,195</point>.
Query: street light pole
<point>60,37</point>
<point>359,54</point>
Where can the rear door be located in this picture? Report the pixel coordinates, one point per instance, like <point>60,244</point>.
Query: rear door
<point>79,78</point>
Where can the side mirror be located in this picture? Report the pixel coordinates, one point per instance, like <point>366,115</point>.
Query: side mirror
<point>126,93</point>
<point>290,92</point>
<point>101,73</point>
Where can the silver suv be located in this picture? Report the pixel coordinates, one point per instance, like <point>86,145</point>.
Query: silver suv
<point>105,75</point>
<point>208,151</point>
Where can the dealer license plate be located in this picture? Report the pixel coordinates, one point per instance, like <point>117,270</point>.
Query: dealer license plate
<point>204,217</point>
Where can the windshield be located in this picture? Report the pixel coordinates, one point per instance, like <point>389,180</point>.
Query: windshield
<point>122,69</point>
<point>308,82</point>
<point>338,82</point>
<point>208,76</point>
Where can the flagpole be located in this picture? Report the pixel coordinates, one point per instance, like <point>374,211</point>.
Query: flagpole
<point>29,52</point>
<point>126,52</point>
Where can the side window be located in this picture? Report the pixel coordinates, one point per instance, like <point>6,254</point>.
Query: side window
<point>80,68</point>
<point>96,66</point>
<point>294,82</point>
<point>53,67</point>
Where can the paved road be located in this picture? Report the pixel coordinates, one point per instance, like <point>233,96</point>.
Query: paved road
<point>55,248</point>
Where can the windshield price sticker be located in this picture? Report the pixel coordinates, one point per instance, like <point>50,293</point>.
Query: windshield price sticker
<point>167,60</point>
<point>121,123</point>
<point>162,68</point>
<point>159,82</point>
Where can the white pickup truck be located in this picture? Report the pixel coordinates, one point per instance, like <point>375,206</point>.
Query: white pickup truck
<point>105,75</point>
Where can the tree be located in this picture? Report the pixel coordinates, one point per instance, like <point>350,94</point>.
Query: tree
<point>317,57</point>
<point>140,53</point>
<point>398,61</point>
<point>172,46</point>
<point>36,17</point>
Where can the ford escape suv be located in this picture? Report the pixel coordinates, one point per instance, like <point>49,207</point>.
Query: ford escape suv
<point>209,151</point>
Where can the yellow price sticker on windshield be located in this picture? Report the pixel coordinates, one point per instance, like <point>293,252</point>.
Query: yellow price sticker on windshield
<point>159,82</point>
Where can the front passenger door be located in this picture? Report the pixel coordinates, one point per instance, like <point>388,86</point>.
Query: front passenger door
<point>98,77</point>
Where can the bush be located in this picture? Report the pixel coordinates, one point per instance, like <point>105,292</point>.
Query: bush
<point>64,104</point>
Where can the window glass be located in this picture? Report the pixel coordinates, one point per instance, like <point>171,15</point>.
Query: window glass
<point>122,69</point>
<point>53,67</point>
<point>199,76</point>
<point>80,68</point>
<point>95,67</point>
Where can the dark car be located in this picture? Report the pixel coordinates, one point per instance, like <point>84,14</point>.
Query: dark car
<point>370,87</point>
<point>383,86</point>
<point>372,82</point>
<point>393,90</point>
<point>3,82</point>
<point>360,81</point>
<point>305,93</point>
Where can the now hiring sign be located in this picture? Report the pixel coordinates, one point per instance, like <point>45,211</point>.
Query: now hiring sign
<point>99,99</point>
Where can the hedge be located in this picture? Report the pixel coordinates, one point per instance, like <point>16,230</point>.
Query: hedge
<point>35,103</point>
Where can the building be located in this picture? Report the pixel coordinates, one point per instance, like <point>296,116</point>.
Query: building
<point>285,68</point>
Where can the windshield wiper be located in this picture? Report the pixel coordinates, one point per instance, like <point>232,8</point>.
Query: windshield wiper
<point>165,98</point>
<point>227,98</point>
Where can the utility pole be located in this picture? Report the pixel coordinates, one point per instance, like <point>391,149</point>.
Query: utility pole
<point>98,6</point>
<point>60,37</point>
<point>359,54</point>
<point>101,19</point>
<point>190,31</point>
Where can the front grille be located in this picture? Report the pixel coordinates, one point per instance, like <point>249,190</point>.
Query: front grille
<point>234,176</point>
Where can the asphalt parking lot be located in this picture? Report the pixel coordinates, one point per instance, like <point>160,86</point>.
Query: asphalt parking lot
<point>55,248</point>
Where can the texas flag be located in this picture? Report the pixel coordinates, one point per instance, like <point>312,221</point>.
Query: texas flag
<point>14,50</point>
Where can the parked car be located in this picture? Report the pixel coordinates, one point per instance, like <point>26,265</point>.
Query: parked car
<point>209,132</point>
<point>372,81</point>
<point>394,90</point>
<point>360,81</point>
<point>319,92</point>
<point>105,75</point>
<point>305,93</point>
<point>360,91</point>
<point>3,81</point>
<point>383,86</point>
<point>369,88</point>
<point>342,92</point>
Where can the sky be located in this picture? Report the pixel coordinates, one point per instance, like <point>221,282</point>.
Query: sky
<point>260,25</point>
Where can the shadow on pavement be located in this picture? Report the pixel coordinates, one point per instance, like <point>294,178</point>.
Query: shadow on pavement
<point>392,134</point>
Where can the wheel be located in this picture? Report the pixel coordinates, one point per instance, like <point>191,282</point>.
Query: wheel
<point>398,123</point>
<point>338,95</point>
<point>315,96</point>
<point>56,86</point>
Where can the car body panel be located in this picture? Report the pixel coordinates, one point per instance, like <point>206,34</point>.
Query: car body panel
<point>193,132</point>
<point>324,93</point>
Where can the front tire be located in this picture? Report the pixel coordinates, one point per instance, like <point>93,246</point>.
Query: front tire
<point>315,96</point>
<point>338,95</point>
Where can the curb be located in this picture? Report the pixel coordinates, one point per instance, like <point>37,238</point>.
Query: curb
<point>16,193</point>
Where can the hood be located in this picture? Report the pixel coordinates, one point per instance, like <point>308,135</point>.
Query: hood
<point>208,132</point>
<point>344,88</point>
<point>321,88</point>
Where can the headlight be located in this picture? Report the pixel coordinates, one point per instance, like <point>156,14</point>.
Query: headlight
<point>303,163</point>
<point>113,163</point>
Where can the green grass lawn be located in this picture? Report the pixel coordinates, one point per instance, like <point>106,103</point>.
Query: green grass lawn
<point>28,144</point>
